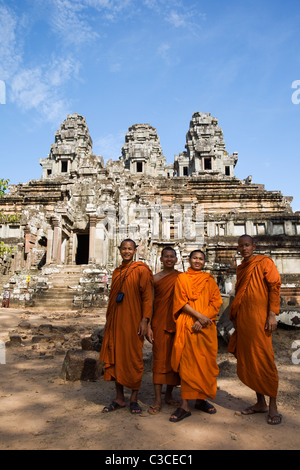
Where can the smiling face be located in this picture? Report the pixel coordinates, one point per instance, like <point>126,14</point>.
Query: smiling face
<point>168,259</point>
<point>246,247</point>
<point>197,260</point>
<point>127,251</point>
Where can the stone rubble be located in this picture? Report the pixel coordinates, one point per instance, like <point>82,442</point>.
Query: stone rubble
<point>72,220</point>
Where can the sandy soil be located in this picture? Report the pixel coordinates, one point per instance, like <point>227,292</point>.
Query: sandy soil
<point>39,410</point>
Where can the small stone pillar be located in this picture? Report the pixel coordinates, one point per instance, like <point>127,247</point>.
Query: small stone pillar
<point>56,241</point>
<point>93,223</point>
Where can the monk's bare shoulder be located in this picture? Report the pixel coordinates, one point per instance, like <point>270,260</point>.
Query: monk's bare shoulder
<point>162,274</point>
<point>158,276</point>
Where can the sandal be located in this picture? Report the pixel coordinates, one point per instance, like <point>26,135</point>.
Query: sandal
<point>135,408</point>
<point>278,419</point>
<point>206,407</point>
<point>112,407</point>
<point>154,409</point>
<point>179,414</point>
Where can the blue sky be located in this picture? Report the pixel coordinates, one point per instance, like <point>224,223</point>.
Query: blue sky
<point>121,62</point>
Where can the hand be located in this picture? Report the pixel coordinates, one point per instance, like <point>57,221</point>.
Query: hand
<point>204,321</point>
<point>196,326</point>
<point>149,335</point>
<point>271,323</point>
<point>143,327</point>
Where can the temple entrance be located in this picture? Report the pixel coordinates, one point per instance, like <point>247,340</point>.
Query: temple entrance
<point>82,253</point>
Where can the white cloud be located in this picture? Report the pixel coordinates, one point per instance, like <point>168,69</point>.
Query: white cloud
<point>71,20</point>
<point>31,87</point>
<point>177,19</point>
<point>41,88</point>
<point>10,57</point>
<point>68,20</point>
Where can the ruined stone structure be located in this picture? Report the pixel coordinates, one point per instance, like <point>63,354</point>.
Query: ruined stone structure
<point>74,217</point>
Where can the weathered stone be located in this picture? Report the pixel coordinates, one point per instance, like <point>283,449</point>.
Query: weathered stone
<point>289,317</point>
<point>73,219</point>
<point>14,341</point>
<point>81,365</point>
<point>43,329</point>
<point>47,338</point>
<point>24,324</point>
<point>93,342</point>
<point>225,327</point>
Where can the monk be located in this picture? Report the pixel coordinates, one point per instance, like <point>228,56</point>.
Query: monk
<point>197,301</point>
<point>253,314</point>
<point>128,313</point>
<point>161,331</point>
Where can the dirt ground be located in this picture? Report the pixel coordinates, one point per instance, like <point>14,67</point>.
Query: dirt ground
<point>41,411</point>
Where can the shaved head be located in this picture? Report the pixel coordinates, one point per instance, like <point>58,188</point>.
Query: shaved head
<point>196,251</point>
<point>168,248</point>
<point>246,236</point>
<point>130,241</point>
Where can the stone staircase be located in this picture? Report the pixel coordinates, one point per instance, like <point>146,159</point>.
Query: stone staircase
<point>58,289</point>
<point>68,287</point>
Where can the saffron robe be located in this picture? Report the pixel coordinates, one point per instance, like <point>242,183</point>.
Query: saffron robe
<point>194,354</point>
<point>122,347</point>
<point>257,292</point>
<point>163,327</point>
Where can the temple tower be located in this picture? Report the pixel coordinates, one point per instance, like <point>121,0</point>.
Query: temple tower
<point>142,153</point>
<point>205,149</point>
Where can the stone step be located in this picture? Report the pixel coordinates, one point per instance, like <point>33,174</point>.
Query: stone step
<point>55,298</point>
<point>56,295</point>
<point>64,281</point>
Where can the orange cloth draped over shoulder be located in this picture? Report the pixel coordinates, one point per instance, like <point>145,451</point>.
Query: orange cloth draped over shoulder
<point>122,347</point>
<point>194,355</point>
<point>163,327</point>
<point>257,292</point>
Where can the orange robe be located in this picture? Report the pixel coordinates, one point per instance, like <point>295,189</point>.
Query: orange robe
<point>194,355</point>
<point>163,327</point>
<point>122,347</point>
<point>257,292</point>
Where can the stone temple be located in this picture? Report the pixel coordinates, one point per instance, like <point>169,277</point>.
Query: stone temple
<point>71,221</point>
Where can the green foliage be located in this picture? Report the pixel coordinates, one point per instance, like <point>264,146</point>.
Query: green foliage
<point>6,218</point>
<point>9,218</point>
<point>3,186</point>
<point>5,250</point>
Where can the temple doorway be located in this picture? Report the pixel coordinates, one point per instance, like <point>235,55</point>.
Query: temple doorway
<point>82,253</point>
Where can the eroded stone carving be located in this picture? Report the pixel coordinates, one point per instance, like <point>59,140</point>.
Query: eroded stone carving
<point>79,211</point>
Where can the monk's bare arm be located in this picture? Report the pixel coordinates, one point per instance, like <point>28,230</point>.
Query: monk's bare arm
<point>146,292</point>
<point>203,320</point>
<point>272,278</point>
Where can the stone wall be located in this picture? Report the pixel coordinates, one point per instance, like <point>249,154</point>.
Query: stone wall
<point>80,210</point>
